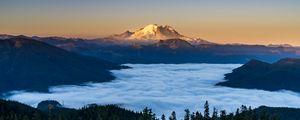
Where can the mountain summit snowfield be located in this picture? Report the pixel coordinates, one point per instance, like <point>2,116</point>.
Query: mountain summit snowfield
<point>151,32</point>
<point>154,32</point>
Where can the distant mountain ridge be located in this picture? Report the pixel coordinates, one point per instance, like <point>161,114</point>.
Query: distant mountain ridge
<point>6,36</point>
<point>283,74</point>
<point>170,50</point>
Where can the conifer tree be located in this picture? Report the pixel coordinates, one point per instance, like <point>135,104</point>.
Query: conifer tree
<point>215,114</point>
<point>198,116</point>
<point>243,108</point>
<point>173,116</point>
<point>206,111</point>
<point>223,115</point>
<point>187,114</point>
<point>147,114</point>
<point>193,116</point>
<point>163,117</point>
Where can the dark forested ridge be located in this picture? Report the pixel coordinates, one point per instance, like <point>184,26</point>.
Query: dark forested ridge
<point>11,110</point>
<point>283,74</point>
<point>27,64</point>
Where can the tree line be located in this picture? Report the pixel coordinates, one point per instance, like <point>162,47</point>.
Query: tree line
<point>11,110</point>
<point>242,113</point>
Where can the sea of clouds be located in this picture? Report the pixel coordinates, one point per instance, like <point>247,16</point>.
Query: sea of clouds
<point>164,88</point>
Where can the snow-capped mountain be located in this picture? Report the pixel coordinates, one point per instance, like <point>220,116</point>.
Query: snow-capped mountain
<point>153,33</point>
<point>150,32</point>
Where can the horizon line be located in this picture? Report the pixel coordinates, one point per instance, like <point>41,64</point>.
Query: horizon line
<point>94,38</point>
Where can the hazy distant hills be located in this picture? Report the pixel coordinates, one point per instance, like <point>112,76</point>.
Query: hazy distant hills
<point>171,51</point>
<point>163,44</point>
<point>27,64</point>
<point>283,74</point>
<point>179,51</point>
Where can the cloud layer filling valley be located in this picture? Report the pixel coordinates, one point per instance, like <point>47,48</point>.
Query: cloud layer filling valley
<point>164,88</point>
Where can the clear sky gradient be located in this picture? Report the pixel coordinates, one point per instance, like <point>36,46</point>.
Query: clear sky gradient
<point>223,21</point>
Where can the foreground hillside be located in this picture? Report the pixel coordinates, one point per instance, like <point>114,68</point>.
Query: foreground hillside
<point>27,64</point>
<point>11,110</point>
<point>283,74</point>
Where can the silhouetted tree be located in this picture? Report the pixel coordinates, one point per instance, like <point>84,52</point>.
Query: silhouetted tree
<point>187,114</point>
<point>215,114</point>
<point>173,116</point>
<point>237,114</point>
<point>243,108</point>
<point>198,116</point>
<point>147,114</point>
<point>193,116</point>
<point>163,117</point>
<point>206,111</point>
<point>222,115</point>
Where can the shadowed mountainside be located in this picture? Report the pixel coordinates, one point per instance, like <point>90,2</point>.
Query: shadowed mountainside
<point>27,64</point>
<point>283,74</point>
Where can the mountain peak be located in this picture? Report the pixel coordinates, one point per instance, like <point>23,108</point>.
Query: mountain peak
<point>155,28</point>
<point>155,32</point>
<point>149,29</point>
<point>150,32</point>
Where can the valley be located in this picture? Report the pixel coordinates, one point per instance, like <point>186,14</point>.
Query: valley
<point>149,60</point>
<point>165,75</point>
<point>164,88</point>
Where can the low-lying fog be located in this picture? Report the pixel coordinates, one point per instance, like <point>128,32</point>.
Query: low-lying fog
<point>164,87</point>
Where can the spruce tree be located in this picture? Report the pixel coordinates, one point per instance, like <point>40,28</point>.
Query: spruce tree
<point>147,114</point>
<point>223,115</point>
<point>243,108</point>
<point>193,116</point>
<point>163,117</point>
<point>215,114</point>
<point>198,116</point>
<point>173,116</point>
<point>206,111</point>
<point>237,113</point>
<point>187,114</point>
